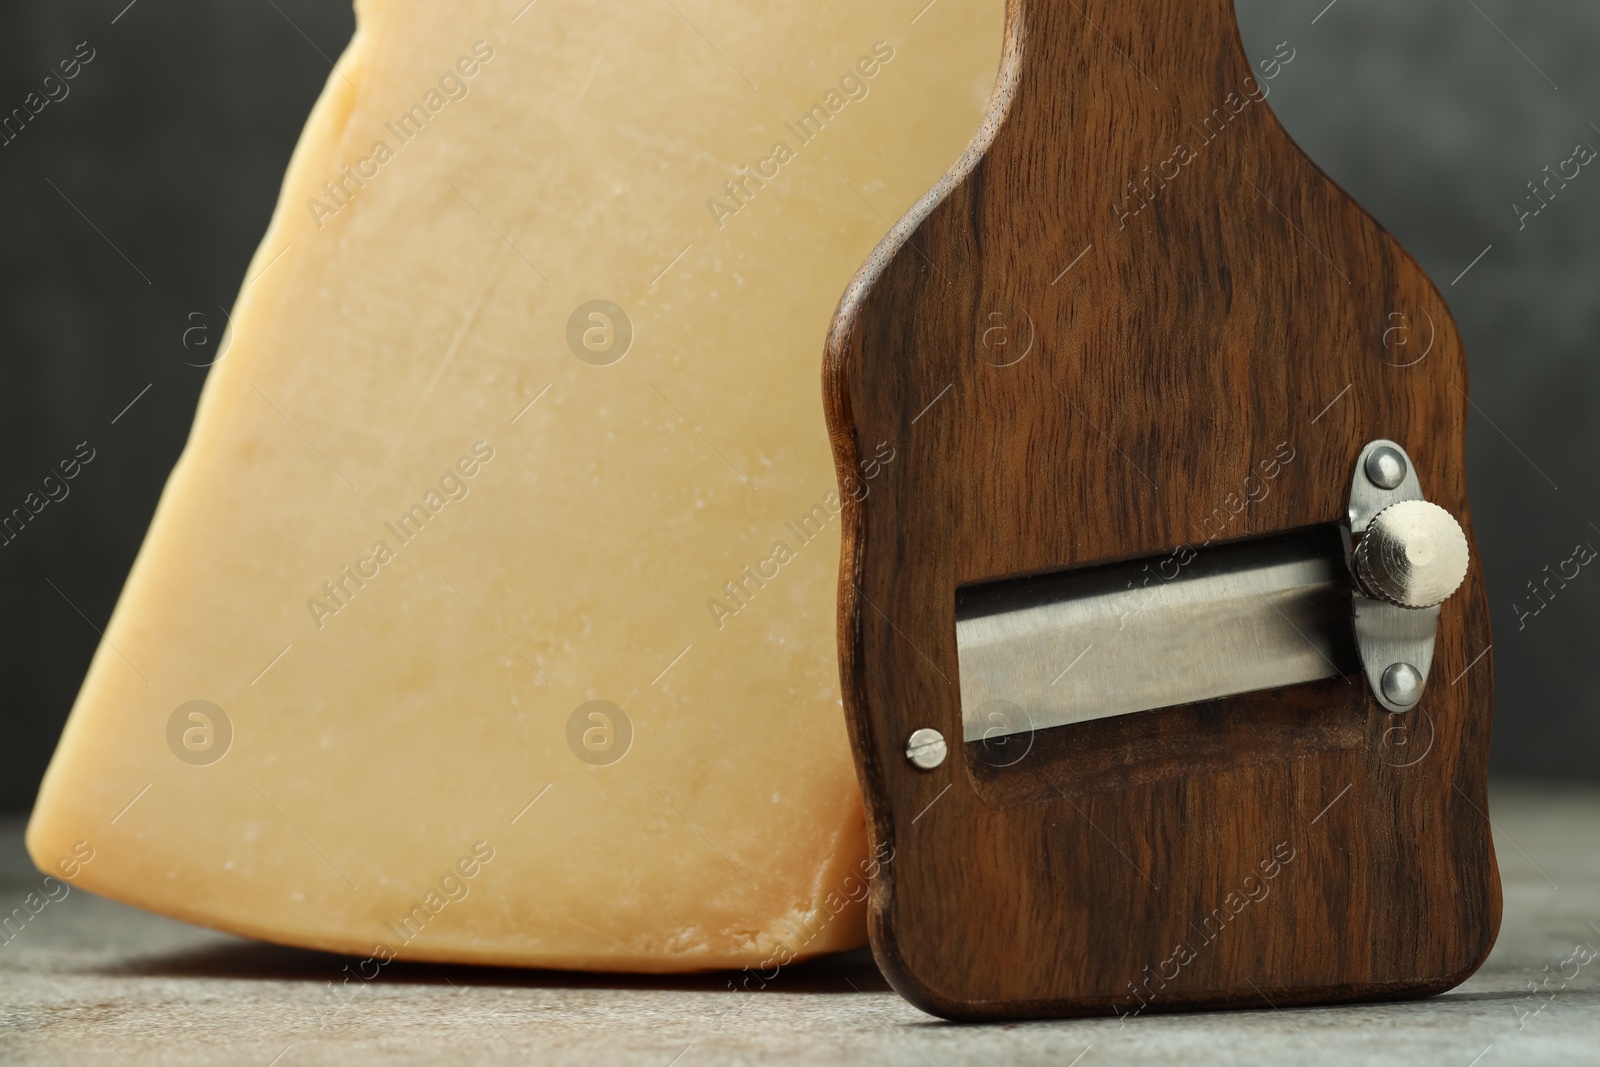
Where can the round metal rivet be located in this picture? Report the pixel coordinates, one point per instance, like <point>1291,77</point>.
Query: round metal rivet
<point>1402,684</point>
<point>926,748</point>
<point>1386,467</point>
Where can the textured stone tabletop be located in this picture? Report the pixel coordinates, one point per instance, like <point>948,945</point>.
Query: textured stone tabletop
<point>86,981</point>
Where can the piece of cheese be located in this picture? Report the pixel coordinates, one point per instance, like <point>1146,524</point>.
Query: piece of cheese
<point>441,498</point>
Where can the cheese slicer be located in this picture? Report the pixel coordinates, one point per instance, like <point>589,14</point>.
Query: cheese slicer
<point>1163,646</point>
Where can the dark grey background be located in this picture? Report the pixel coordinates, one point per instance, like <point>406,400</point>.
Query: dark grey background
<point>173,140</point>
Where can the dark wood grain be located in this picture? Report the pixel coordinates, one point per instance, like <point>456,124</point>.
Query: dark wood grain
<point>1243,310</point>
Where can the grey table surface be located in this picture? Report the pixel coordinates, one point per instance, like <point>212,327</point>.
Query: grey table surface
<point>87,981</point>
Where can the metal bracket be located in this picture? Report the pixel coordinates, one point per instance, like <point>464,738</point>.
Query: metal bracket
<point>1387,635</point>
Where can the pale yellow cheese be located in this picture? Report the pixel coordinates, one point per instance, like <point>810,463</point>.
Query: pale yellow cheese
<point>413,533</point>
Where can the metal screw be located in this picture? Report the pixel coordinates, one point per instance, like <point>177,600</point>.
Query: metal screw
<point>926,748</point>
<point>1413,554</point>
<point>1402,684</point>
<point>1386,467</point>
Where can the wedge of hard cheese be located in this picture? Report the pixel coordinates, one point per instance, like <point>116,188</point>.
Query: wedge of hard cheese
<point>488,615</point>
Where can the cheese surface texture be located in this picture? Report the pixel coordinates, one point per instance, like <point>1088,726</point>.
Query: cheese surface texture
<point>488,615</point>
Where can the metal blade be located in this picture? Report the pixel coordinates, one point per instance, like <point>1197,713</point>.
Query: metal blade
<point>1130,637</point>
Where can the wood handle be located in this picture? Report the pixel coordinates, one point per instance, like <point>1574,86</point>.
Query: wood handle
<point>1130,294</point>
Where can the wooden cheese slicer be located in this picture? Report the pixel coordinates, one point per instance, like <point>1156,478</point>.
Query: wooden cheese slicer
<point>1163,653</point>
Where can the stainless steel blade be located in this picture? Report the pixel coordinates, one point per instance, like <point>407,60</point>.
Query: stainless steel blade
<point>1130,637</point>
